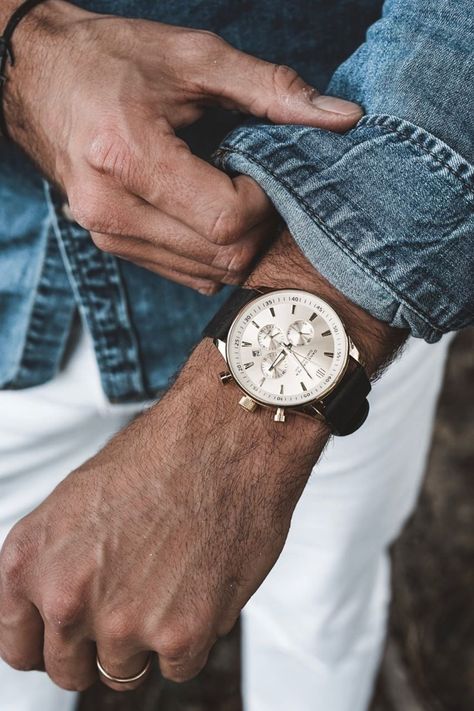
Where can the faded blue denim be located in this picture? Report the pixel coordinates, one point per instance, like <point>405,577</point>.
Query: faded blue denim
<point>384,211</point>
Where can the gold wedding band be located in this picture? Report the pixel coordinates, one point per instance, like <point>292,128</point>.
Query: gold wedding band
<point>123,680</point>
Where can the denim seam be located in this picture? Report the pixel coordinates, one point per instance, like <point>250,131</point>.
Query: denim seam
<point>97,322</point>
<point>104,351</point>
<point>404,133</point>
<point>339,241</point>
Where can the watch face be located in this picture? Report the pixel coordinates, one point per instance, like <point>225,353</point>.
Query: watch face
<point>286,348</point>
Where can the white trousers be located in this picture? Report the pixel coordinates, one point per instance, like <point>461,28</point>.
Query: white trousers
<point>313,633</point>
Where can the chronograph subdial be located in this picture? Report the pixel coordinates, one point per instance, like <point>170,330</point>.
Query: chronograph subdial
<point>300,333</point>
<point>275,364</point>
<point>270,337</point>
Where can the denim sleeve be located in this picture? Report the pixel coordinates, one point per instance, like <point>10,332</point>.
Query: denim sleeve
<point>385,211</point>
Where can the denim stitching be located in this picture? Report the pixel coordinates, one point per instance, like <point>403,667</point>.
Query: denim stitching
<point>381,123</point>
<point>335,237</point>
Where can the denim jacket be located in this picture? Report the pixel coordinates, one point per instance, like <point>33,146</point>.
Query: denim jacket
<point>384,211</point>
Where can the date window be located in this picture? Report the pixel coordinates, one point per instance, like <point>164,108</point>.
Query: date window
<point>256,353</point>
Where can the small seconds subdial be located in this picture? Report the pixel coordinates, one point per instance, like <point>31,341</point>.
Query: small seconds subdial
<point>300,333</point>
<point>275,364</point>
<point>270,337</point>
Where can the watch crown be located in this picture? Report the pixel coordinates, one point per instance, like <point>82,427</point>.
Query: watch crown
<point>225,377</point>
<point>247,403</point>
<point>279,415</point>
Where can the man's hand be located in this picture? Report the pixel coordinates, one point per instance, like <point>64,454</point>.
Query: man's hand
<point>158,541</point>
<point>95,100</point>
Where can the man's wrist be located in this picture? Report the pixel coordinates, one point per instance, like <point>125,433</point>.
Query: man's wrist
<point>285,266</point>
<point>36,43</point>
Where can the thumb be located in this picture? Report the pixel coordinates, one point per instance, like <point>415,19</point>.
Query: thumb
<point>276,92</point>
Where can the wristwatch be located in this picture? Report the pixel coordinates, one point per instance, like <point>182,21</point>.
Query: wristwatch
<point>288,349</point>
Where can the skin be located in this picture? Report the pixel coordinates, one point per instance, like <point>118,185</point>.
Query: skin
<point>173,526</point>
<point>155,544</point>
<point>123,87</point>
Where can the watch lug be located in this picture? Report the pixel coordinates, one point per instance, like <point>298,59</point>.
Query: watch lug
<point>221,347</point>
<point>353,351</point>
<point>248,403</point>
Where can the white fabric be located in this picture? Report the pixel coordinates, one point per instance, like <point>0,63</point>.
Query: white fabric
<point>46,432</point>
<point>313,632</point>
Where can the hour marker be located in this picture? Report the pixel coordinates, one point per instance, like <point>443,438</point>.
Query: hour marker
<point>272,311</point>
<point>326,333</point>
<point>293,308</point>
<point>281,389</point>
<point>329,354</point>
<point>261,382</point>
<point>248,365</point>
<point>303,386</point>
<point>313,316</point>
<point>245,344</point>
<point>255,324</point>
<point>320,372</point>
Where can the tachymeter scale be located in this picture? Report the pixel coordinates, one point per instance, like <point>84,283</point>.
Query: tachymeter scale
<point>286,348</point>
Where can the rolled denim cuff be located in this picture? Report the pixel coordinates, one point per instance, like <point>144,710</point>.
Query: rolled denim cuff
<point>384,212</point>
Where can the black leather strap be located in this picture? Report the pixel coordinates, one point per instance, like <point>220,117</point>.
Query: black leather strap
<point>219,325</point>
<point>346,408</point>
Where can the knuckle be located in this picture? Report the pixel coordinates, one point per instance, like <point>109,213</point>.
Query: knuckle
<point>89,210</point>
<point>117,626</point>
<point>238,259</point>
<point>109,153</point>
<point>201,44</point>
<point>62,610</point>
<point>177,644</point>
<point>283,77</point>
<point>226,227</point>
<point>14,557</point>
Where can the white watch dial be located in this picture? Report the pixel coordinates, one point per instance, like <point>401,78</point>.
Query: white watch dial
<point>287,348</point>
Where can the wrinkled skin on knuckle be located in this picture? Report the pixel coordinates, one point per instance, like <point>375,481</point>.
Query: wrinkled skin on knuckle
<point>281,81</point>
<point>109,153</point>
<point>198,50</point>
<point>15,557</point>
<point>226,226</point>
<point>62,609</point>
<point>239,259</point>
<point>283,77</point>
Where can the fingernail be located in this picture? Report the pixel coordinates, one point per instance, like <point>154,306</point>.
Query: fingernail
<point>208,290</point>
<point>336,106</point>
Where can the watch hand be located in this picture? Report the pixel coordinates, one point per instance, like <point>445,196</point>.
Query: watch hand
<point>308,360</point>
<point>274,364</point>
<point>301,363</point>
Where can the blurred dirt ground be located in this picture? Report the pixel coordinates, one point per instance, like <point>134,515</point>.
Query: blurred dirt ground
<point>429,659</point>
